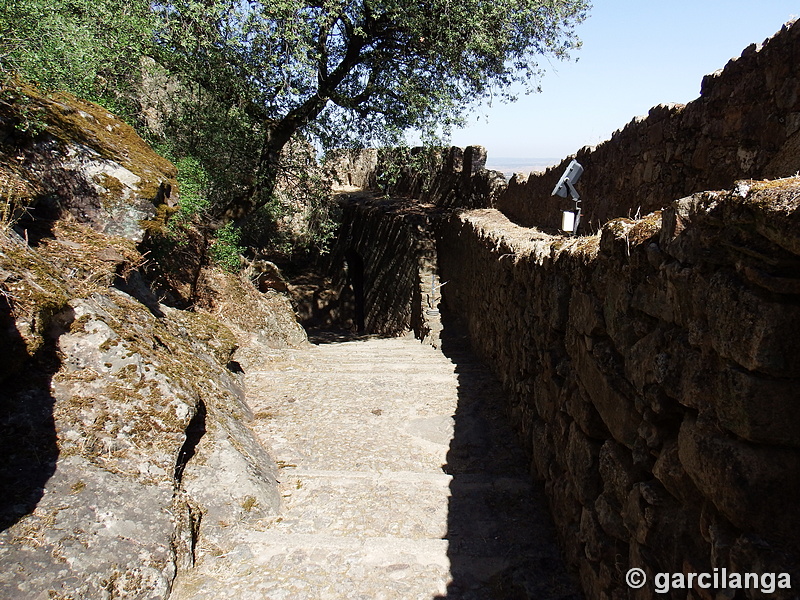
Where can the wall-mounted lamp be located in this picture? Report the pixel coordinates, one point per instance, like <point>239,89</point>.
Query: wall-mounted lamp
<point>566,186</point>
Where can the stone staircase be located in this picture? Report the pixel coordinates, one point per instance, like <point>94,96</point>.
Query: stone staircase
<point>400,480</point>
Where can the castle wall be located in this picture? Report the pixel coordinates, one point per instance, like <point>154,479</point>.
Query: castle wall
<point>744,125</point>
<point>653,369</point>
<point>652,374</point>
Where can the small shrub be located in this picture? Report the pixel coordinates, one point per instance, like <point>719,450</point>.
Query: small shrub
<point>226,249</point>
<point>194,183</point>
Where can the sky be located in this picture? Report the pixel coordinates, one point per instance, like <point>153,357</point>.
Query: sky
<point>636,54</point>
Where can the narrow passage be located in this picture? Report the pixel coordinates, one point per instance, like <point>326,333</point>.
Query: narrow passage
<point>400,480</point>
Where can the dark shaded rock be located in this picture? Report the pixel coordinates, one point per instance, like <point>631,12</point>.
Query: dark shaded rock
<point>84,161</point>
<point>736,476</point>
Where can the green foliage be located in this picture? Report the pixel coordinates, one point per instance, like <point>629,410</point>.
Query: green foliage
<point>301,216</point>
<point>91,48</point>
<point>30,117</point>
<point>246,86</point>
<point>394,163</point>
<point>352,72</point>
<point>363,70</point>
<point>226,249</point>
<point>194,184</point>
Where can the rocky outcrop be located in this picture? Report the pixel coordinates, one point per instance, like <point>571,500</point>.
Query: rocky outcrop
<point>124,430</point>
<point>258,319</point>
<point>109,399</point>
<point>653,377</point>
<point>80,159</point>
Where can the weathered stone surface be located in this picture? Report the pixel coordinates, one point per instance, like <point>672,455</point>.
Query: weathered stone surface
<point>256,318</point>
<point>755,332</point>
<point>737,476</point>
<point>94,429</point>
<point>582,464</point>
<point>631,338</point>
<point>669,471</point>
<point>353,169</point>
<point>666,318</point>
<point>399,477</point>
<point>84,160</point>
<point>617,471</point>
<point>758,408</point>
<point>614,407</point>
<point>88,539</point>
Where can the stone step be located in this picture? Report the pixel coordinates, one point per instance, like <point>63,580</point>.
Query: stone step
<point>308,566</point>
<point>302,567</point>
<point>361,441</point>
<point>473,510</point>
<point>355,363</point>
<point>400,480</point>
<point>381,350</point>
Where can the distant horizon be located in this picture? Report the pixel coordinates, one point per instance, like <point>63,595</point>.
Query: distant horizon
<point>634,56</point>
<point>508,165</point>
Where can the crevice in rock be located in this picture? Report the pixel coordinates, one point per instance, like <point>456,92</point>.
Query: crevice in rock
<point>194,433</point>
<point>235,367</point>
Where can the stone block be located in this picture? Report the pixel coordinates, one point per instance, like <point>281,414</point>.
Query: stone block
<point>585,415</point>
<point>760,334</point>
<point>617,471</point>
<point>543,450</point>
<point>757,408</point>
<point>645,362</point>
<point>670,472</point>
<point>614,407</point>
<point>752,554</point>
<point>738,476</point>
<point>474,160</point>
<point>609,518</point>
<point>585,314</point>
<point>667,529</point>
<point>582,465</point>
<point>566,512</point>
<point>593,583</point>
<point>651,296</point>
<point>598,546</point>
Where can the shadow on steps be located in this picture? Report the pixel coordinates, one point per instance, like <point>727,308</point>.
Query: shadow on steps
<point>501,538</point>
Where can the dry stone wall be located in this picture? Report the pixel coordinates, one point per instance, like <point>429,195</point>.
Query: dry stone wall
<point>744,125</point>
<point>452,177</point>
<point>381,269</point>
<point>653,376</point>
<point>652,368</point>
<point>352,168</point>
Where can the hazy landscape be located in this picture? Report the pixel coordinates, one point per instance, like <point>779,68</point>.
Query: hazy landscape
<point>508,166</point>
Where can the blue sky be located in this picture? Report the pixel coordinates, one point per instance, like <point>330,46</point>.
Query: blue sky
<point>635,55</point>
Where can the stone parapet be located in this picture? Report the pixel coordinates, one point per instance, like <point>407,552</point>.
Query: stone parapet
<point>653,376</point>
<point>745,124</point>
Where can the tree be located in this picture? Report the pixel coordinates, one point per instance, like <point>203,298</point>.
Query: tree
<point>91,48</point>
<point>353,71</point>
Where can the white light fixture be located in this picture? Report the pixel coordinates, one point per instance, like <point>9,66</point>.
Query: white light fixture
<point>570,220</point>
